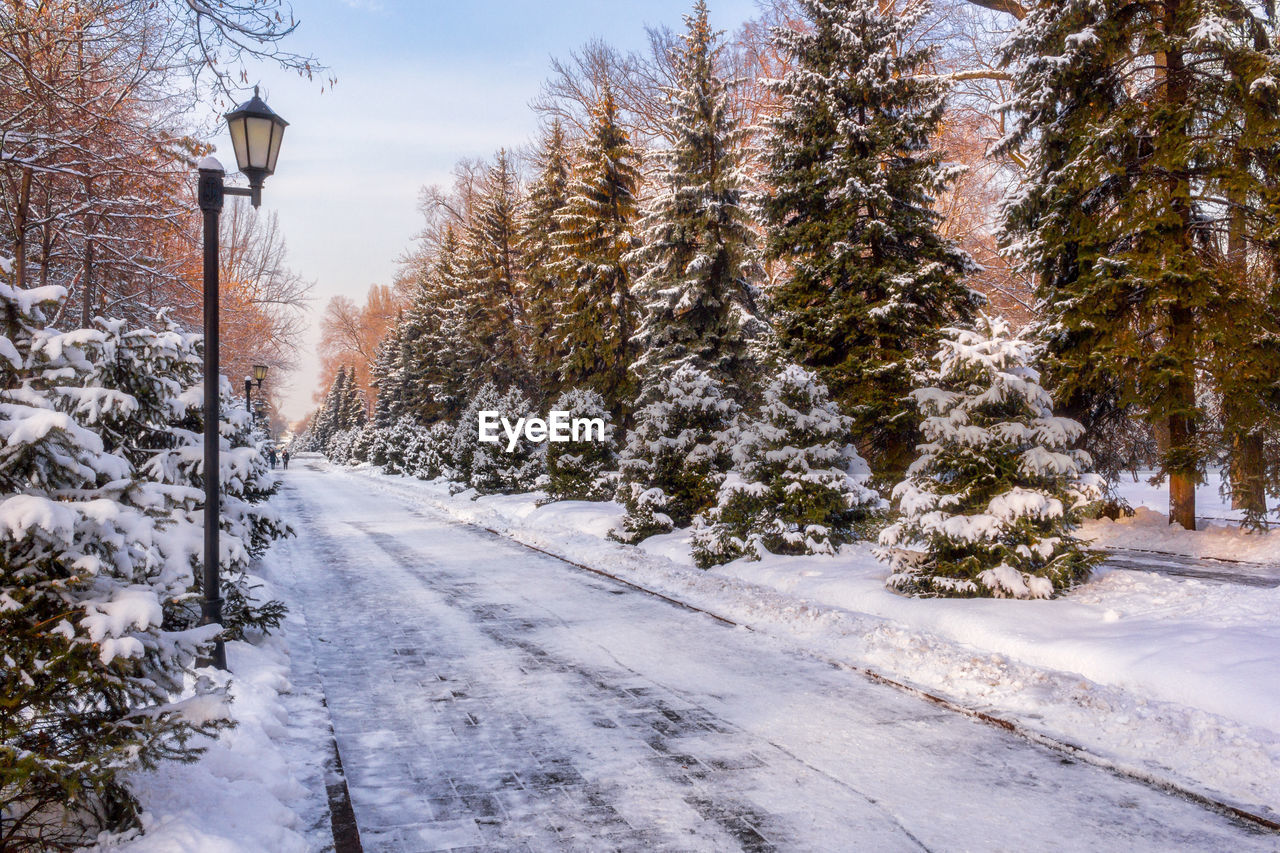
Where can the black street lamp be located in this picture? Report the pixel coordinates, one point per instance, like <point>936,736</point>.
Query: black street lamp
<point>259,374</point>
<point>255,134</point>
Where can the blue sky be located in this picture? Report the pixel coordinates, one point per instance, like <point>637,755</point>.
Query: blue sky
<point>420,85</point>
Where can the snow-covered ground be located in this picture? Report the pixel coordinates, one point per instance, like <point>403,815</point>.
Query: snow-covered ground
<point>1169,677</point>
<point>1219,535</point>
<point>259,786</point>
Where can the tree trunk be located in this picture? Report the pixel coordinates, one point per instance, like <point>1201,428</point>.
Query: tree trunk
<point>20,230</point>
<point>86,295</point>
<point>1179,401</point>
<point>1248,476</point>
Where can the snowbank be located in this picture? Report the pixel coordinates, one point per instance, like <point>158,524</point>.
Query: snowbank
<point>1150,530</point>
<point>1167,676</point>
<point>256,787</point>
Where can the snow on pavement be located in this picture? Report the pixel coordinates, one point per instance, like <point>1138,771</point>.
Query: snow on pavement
<point>485,695</point>
<point>1167,677</point>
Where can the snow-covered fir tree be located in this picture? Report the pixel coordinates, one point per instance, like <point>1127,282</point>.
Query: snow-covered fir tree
<point>498,468</point>
<point>1145,196</point>
<point>94,563</point>
<point>434,365</point>
<point>851,181</point>
<point>989,507</point>
<point>676,454</point>
<point>595,233</point>
<point>698,258</point>
<point>342,412</point>
<point>580,470</point>
<point>402,446</point>
<point>338,449</point>
<point>544,285</point>
<point>389,373</point>
<point>435,458</point>
<point>493,325</point>
<point>797,486</point>
<point>465,442</point>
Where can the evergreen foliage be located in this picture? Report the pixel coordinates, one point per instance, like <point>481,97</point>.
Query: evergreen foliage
<point>676,454</point>
<point>491,313</point>
<point>435,387</point>
<point>796,487</point>
<point>545,284</point>
<point>101,507</point>
<point>850,209</point>
<point>580,470</point>
<point>594,236</point>
<point>1148,214</point>
<point>698,257</point>
<point>465,442</point>
<point>989,507</point>
<point>495,469</point>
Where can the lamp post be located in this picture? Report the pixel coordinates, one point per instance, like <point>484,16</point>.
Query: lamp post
<point>256,132</point>
<point>259,374</point>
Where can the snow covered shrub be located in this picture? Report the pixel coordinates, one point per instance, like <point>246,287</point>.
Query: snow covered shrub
<point>466,434</point>
<point>488,467</point>
<point>338,449</point>
<point>402,445</point>
<point>797,485</point>
<point>497,470</point>
<point>364,445</point>
<point>435,457</point>
<point>676,454</point>
<point>579,470</point>
<point>989,507</point>
<point>95,560</point>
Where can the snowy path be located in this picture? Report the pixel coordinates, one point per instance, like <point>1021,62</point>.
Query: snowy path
<point>486,696</point>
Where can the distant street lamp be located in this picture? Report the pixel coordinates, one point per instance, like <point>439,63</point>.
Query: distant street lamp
<point>256,132</point>
<point>259,374</point>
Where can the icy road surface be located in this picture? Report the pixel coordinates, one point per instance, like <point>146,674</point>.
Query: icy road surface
<point>485,696</point>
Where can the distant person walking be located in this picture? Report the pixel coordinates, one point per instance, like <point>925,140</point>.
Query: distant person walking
<point>271,457</point>
<point>284,457</point>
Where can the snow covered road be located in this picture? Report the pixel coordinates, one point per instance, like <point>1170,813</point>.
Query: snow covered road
<point>486,696</point>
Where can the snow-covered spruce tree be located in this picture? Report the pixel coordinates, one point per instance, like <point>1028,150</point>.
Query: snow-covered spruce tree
<point>1145,197</point>
<point>433,370</point>
<point>989,507</point>
<point>466,433</point>
<point>595,233</point>
<point>676,454</point>
<point>493,328</point>
<point>403,444</point>
<point>497,470</point>
<point>435,458</point>
<point>698,258</point>
<point>162,436</point>
<point>544,285</point>
<point>388,373</point>
<point>580,470</point>
<point>851,180</point>
<point>365,445</point>
<point>92,565</point>
<point>797,486</point>
<point>324,424</point>
<point>338,449</point>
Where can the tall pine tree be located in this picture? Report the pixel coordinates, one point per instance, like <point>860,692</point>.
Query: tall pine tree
<point>852,182</point>
<point>544,289</point>
<point>699,258</point>
<point>493,305</point>
<point>595,234</point>
<point>1152,137</point>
